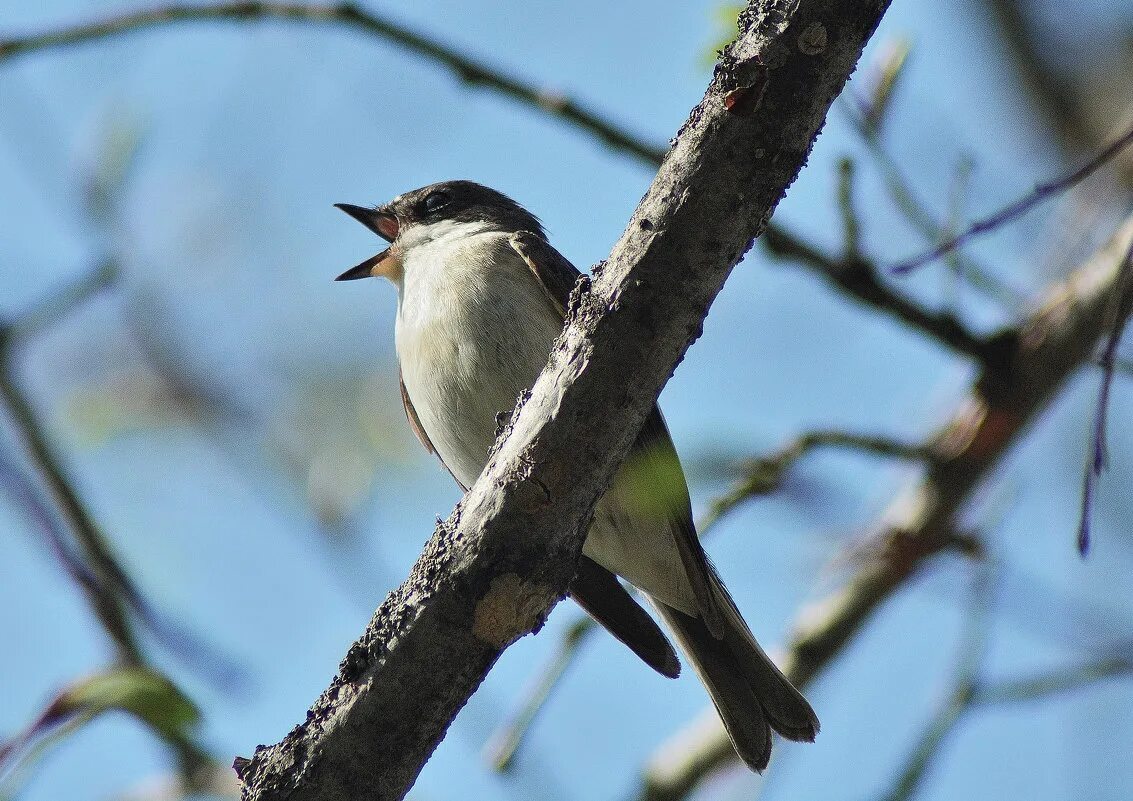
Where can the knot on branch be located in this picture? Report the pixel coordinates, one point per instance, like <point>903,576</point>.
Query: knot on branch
<point>510,609</point>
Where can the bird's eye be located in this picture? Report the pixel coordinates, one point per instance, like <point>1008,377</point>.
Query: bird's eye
<point>435,201</point>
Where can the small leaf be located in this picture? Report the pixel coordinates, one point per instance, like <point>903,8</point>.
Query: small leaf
<point>727,19</point>
<point>885,72</point>
<point>141,692</point>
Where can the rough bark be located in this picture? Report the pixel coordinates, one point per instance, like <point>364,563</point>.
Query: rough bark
<point>493,570</point>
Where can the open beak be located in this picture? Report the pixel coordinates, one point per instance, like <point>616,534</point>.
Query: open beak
<point>382,223</point>
<point>370,268</point>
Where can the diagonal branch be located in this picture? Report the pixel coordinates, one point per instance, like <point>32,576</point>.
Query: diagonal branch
<point>349,15</point>
<point>110,591</point>
<point>486,578</point>
<point>861,280</point>
<point>1016,208</point>
<point>1053,342</point>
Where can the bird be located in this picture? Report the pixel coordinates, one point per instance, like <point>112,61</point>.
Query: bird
<point>482,297</point>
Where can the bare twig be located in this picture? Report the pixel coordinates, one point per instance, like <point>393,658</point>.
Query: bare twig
<point>349,15</point>
<point>765,475</point>
<point>1048,88</point>
<point>117,590</point>
<point>502,746</point>
<point>971,693</point>
<point>958,266</point>
<point>851,226</point>
<point>1099,457</point>
<point>110,590</point>
<point>860,280</point>
<point>1041,192</point>
<point>62,301</point>
<point>969,663</point>
<point>913,207</point>
<point>1055,682</point>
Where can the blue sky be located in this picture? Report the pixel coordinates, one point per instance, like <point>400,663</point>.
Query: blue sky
<point>278,528</point>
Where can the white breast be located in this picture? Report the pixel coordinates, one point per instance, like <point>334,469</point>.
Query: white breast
<point>473,331</point>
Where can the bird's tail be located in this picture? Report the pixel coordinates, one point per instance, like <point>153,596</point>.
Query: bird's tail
<point>751,694</point>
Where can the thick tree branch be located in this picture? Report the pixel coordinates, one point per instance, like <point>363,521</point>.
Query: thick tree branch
<point>506,554</point>
<point>1056,339</point>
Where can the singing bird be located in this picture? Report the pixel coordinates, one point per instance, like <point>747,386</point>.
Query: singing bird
<point>481,300</point>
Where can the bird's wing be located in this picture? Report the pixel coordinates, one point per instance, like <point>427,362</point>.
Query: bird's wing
<point>558,276</point>
<point>555,274</point>
<point>655,443</point>
<point>411,416</point>
<point>599,592</point>
<point>419,430</point>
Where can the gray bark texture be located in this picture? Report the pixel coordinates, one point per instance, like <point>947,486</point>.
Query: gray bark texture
<point>493,570</point>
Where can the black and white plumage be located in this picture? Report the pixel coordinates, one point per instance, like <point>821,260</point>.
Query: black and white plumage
<point>481,300</point>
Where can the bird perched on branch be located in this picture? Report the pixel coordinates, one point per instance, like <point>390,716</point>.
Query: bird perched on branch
<point>481,299</point>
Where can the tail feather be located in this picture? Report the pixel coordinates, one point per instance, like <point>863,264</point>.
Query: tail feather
<point>750,693</point>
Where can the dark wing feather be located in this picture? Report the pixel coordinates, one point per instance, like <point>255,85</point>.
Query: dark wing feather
<point>600,593</point>
<point>654,439</point>
<point>556,275</point>
<point>411,416</point>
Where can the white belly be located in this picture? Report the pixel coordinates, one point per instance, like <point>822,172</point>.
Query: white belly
<point>470,339</point>
<point>479,339</point>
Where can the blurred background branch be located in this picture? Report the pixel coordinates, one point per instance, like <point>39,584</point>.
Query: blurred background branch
<point>133,685</point>
<point>1056,340</point>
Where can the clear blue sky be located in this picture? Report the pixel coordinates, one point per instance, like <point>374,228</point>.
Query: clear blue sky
<point>277,530</point>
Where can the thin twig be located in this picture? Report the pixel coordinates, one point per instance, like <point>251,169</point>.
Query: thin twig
<point>958,268</point>
<point>62,301</point>
<point>969,662</point>
<point>860,280</point>
<point>1052,94</point>
<point>851,226</point>
<point>916,210</point>
<point>350,15</point>
<point>1041,192</point>
<point>765,475</point>
<point>1055,682</point>
<point>502,746</point>
<point>1099,457</point>
<point>26,496</point>
<point>970,694</point>
<point>117,589</point>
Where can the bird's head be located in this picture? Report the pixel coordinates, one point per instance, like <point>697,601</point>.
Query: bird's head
<point>424,215</point>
